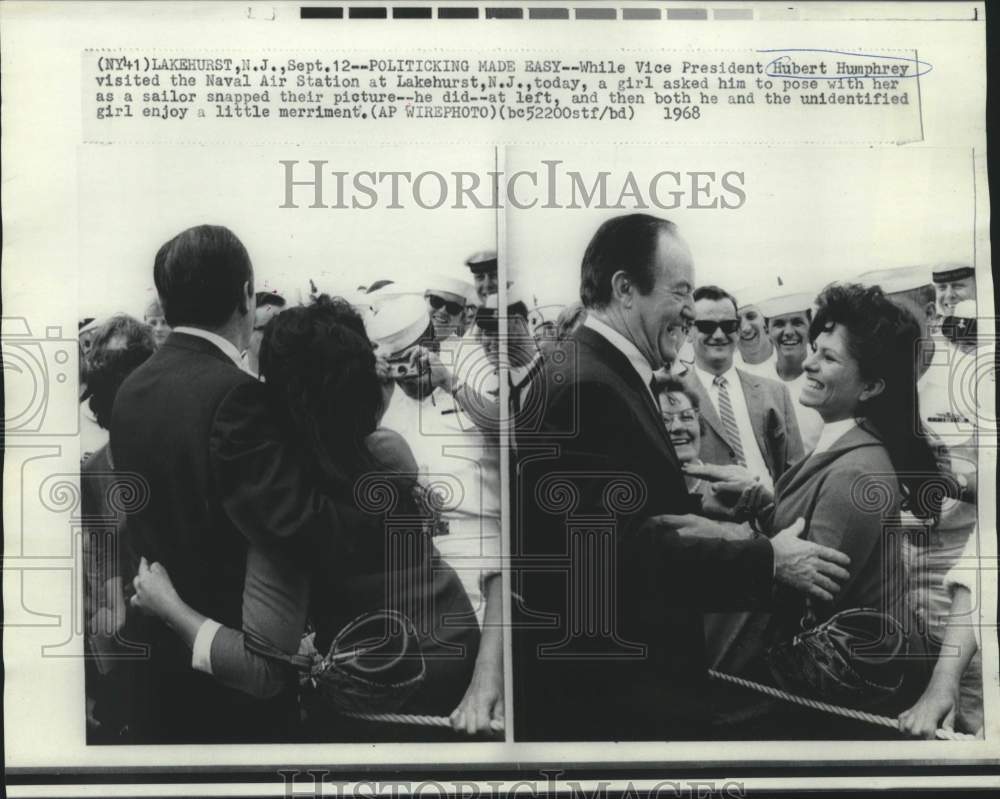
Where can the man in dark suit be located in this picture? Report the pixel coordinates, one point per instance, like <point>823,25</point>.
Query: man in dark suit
<point>196,427</point>
<point>611,566</point>
<point>749,420</point>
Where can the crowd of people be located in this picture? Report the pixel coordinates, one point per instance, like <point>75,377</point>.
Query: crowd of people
<point>709,429</point>
<point>762,484</point>
<point>318,536</point>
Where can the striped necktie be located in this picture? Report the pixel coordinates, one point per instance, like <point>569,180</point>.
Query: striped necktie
<point>729,420</point>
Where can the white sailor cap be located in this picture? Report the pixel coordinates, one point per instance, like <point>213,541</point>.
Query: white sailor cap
<point>397,324</point>
<point>897,279</point>
<point>950,272</point>
<point>755,293</point>
<point>448,288</point>
<point>91,326</point>
<point>792,302</point>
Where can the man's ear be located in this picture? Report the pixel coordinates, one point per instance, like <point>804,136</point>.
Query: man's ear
<point>248,300</point>
<point>622,287</point>
<point>872,390</point>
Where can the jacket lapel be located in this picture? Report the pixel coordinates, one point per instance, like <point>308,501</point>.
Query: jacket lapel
<point>616,360</point>
<point>753,393</point>
<point>706,409</point>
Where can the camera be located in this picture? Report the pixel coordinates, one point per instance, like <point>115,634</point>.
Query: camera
<point>40,374</point>
<point>401,369</point>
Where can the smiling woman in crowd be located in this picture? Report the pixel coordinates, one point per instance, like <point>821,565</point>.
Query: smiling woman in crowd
<point>870,463</point>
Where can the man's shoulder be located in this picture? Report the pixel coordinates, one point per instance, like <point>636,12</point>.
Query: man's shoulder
<point>771,387</point>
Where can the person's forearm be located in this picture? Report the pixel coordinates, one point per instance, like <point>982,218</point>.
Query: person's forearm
<point>182,619</point>
<point>959,635</point>
<point>491,642</point>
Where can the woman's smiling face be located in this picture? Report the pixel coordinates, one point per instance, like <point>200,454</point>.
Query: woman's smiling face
<point>834,386</point>
<point>681,420</point>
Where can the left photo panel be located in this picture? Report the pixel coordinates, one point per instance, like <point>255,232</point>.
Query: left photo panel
<point>289,508</point>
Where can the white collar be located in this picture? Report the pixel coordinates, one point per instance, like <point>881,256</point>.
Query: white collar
<point>227,347</point>
<point>832,432</point>
<point>708,379</point>
<point>623,345</point>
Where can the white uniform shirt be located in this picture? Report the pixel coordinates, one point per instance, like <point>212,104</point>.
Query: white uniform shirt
<point>457,459</point>
<point>810,422</point>
<point>765,368</point>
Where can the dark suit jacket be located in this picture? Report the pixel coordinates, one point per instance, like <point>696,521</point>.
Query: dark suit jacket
<point>218,474</point>
<point>771,413</point>
<point>608,642</point>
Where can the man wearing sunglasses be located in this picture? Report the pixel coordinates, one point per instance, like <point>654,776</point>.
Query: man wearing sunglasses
<point>446,301</point>
<point>613,564</point>
<point>749,420</point>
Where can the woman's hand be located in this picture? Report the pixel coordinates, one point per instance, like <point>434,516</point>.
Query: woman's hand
<point>154,592</point>
<point>936,708</point>
<point>481,709</point>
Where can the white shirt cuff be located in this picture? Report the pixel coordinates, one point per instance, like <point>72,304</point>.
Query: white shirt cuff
<point>201,652</point>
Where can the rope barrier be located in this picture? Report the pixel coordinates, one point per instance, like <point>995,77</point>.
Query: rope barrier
<point>837,710</point>
<point>410,718</point>
<point>777,693</point>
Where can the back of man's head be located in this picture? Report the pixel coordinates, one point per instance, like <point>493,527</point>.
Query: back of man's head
<point>625,243</point>
<point>200,276</point>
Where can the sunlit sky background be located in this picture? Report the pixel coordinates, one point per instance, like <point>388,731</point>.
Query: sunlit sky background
<point>811,216</point>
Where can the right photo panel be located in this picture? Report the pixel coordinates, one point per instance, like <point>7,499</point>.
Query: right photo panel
<point>744,426</point>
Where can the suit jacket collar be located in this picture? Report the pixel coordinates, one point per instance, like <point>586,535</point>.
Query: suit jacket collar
<point>617,362</point>
<point>804,470</point>
<point>185,341</point>
<point>752,393</point>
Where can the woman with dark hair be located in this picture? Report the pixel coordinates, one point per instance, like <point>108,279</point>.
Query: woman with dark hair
<point>120,346</point>
<point>871,462</point>
<point>320,373</point>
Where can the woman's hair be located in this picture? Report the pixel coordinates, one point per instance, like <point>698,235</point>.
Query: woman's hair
<point>670,384</point>
<point>883,337</point>
<point>319,369</point>
<point>120,346</point>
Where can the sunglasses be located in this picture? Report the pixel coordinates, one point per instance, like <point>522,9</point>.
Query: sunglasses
<point>707,327</point>
<point>437,303</point>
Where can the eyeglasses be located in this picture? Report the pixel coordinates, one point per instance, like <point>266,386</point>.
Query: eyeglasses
<point>437,303</point>
<point>707,327</point>
<point>688,416</point>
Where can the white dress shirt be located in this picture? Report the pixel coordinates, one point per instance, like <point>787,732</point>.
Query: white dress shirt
<point>454,453</point>
<point>751,449</point>
<point>227,347</point>
<point>625,347</point>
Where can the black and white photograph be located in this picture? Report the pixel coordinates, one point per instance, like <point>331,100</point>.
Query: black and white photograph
<point>738,446</point>
<point>497,399</point>
<point>304,402</point>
